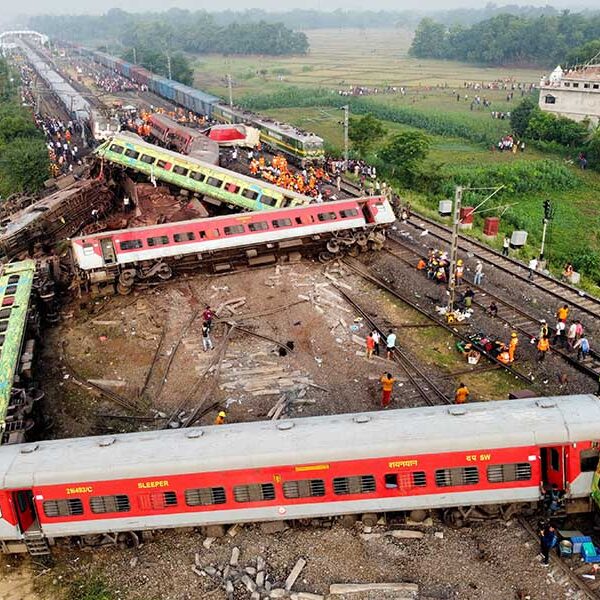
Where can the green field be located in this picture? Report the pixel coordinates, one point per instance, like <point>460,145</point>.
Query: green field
<point>371,58</point>
<point>340,58</point>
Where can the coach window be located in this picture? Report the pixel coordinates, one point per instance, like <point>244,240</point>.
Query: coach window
<point>131,153</point>
<point>349,212</point>
<point>184,237</point>
<point>130,244</point>
<point>596,86</point>
<point>214,181</point>
<point>161,240</point>
<point>358,484</point>
<point>419,479</point>
<point>88,249</point>
<point>116,148</point>
<point>391,481</point>
<point>63,508</point>
<point>328,216</point>
<point>268,201</point>
<point>146,158</point>
<point>509,472</point>
<point>232,188</point>
<point>157,501</point>
<point>282,223</point>
<point>10,290</point>
<point>589,459</point>
<point>457,476</point>
<point>180,170</point>
<point>260,226</point>
<point>250,194</point>
<point>233,229</point>
<point>205,496</point>
<point>13,279</point>
<point>304,488</point>
<point>163,164</point>
<point>196,176</point>
<point>110,504</point>
<point>254,492</point>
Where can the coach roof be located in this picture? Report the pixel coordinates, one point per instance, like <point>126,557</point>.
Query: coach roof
<point>398,433</point>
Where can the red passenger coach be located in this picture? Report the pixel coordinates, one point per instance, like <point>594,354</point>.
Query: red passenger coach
<point>130,254</point>
<point>482,459</point>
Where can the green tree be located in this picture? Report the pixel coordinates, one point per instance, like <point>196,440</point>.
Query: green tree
<point>364,132</point>
<point>520,116</point>
<point>24,166</point>
<point>405,152</point>
<point>429,40</point>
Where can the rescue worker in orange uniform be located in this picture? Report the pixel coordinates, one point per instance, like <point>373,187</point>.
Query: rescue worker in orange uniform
<point>562,313</point>
<point>220,420</point>
<point>512,346</point>
<point>543,346</point>
<point>462,394</point>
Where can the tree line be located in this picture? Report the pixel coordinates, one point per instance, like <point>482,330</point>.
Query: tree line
<point>175,30</point>
<point>24,163</point>
<point>316,19</point>
<point>544,40</point>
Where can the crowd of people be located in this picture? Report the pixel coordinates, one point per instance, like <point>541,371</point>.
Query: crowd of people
<point>63,151</point>
<point>509,143</point>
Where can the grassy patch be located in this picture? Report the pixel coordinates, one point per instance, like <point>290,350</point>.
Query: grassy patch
<point>89,588</point>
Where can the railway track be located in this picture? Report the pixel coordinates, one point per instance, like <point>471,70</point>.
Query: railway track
<point>546,283</point>
<point>359,269</point>
<point>508,312</point>
<point>589,588</point>
<point>421,382</point>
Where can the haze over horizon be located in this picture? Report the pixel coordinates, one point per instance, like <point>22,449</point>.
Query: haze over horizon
<point>34,7</point>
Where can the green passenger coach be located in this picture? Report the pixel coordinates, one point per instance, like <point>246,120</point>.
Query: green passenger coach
<point>219,185</point>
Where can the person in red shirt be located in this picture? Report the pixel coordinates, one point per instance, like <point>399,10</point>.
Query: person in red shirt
<point>207,316</point>
<point>370,346</point>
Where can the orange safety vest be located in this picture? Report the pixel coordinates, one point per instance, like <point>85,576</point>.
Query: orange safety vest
<point>543,345</point>
<point>461,395</point>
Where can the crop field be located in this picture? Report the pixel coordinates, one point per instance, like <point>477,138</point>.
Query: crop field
<point>340,58</point>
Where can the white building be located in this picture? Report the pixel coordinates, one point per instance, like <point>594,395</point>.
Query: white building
<point>574,94</point>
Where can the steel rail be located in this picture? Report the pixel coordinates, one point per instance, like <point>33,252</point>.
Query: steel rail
<point>401,358</point>
<point>527,324</point>
<point>370,277</point>
<point>579,582</point>
<point>545,283</point>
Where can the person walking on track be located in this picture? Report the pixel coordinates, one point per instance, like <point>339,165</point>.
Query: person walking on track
<point>390,344</point>
<point>387,385</point>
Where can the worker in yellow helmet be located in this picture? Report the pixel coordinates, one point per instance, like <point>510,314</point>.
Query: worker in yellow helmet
<point>220,420</point>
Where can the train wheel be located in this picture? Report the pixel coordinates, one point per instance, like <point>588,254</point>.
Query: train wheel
<point>333,246</point>
<point>128,539</point>
<point>453,518</point>
<point>124,290</point>
<point>362,239</point>
<point>348,521</point>
<point>354,251</point>
<point>369,519</point>
<point>325,257</point>
<point>164,272</point>
<point>127,277</point>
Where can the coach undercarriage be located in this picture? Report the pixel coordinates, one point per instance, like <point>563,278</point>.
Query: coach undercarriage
<point>122,278</point>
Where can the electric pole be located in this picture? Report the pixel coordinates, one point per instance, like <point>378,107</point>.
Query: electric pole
<point>169,65</point>
<point>230,88</point>
<point>454,251</point>
<point>346,110</point>
<point>134,56</point>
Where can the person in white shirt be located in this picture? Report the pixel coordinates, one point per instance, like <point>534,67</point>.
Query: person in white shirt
<point>390,344</point>
<point>533,263</point>
<point>376,338</point>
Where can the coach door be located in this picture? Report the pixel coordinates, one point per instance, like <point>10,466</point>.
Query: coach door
<point>24,509</point>
<point>108,251</point>
<point>553,466</point>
